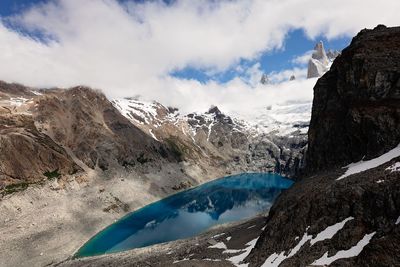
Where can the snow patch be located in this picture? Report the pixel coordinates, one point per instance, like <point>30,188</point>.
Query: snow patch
<point>152,135</point>
<point>398,220</point>
<point>36,92</point>
<point>177,261</point>
<point>134,109</point>
<point>394,168</point>
<point>17,101</point>
<point>218,235</point>
<point>330,231</point>
<point>342,254</point>
<point>236,260</point>
<point>211,259</point>
<point>369,164</point>
<point>275,259</point>
<point>220,245</point>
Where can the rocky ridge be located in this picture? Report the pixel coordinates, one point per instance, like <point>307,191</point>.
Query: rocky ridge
<point>27,154</point>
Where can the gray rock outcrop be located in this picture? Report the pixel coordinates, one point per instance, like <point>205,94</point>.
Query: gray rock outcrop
<point>264,79</point>
<point>318,63</point>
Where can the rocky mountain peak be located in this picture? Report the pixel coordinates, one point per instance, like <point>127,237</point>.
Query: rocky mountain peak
<point>319,53</point>
<point>264,79</point>
<point>332,54</point>
<point>319,62</point>
<point>214,110</point>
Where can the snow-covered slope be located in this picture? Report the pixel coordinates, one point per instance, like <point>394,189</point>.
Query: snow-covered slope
<point>256,140</point>
<point>280,119</point>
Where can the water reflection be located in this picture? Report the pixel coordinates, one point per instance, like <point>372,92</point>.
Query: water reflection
<point>189,213</point>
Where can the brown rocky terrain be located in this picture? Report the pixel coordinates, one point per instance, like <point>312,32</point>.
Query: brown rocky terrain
<point>27,155</point>
<point>71,157</point>
<point>87,123</point>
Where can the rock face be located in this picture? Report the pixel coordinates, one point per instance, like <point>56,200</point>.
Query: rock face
<point>264,79</point>
<point>87,123</point>
<point>27,155</point>
<point>355,114</point>
<point>332,54</point>
<point>356,108</point>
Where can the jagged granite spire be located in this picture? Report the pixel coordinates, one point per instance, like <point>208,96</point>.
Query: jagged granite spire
<point>318,63</point>
<point>319,53</point>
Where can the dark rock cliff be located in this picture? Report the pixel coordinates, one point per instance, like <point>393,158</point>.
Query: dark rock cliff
<point>356,108</point>
<point>356,113</point>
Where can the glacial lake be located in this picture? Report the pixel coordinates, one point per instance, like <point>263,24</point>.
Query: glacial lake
<point>189,213</point>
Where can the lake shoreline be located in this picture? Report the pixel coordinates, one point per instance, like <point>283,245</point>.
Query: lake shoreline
<point>189,213</point>
<point>194,251</point>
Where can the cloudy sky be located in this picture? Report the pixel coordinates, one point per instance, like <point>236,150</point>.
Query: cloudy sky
<point>189,54</point>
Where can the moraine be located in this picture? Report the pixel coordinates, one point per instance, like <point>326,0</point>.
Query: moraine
<point>189,213</point>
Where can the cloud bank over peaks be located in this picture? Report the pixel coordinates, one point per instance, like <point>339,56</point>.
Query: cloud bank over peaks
<point>130,48</point>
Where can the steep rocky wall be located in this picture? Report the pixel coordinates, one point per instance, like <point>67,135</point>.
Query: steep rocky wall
<point>356,113</point>
<point>356,108</point>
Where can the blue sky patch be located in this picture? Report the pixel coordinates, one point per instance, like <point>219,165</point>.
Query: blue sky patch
<point>296,44</point>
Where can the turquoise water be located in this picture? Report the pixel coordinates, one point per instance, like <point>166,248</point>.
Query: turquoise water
<point>189,213</point>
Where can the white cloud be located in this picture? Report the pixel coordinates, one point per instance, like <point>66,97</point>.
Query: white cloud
<point>129,49</point>
<point>252,75</point>
<point>284,75</point>
<point>235,95</point>
<point>303,59</point>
